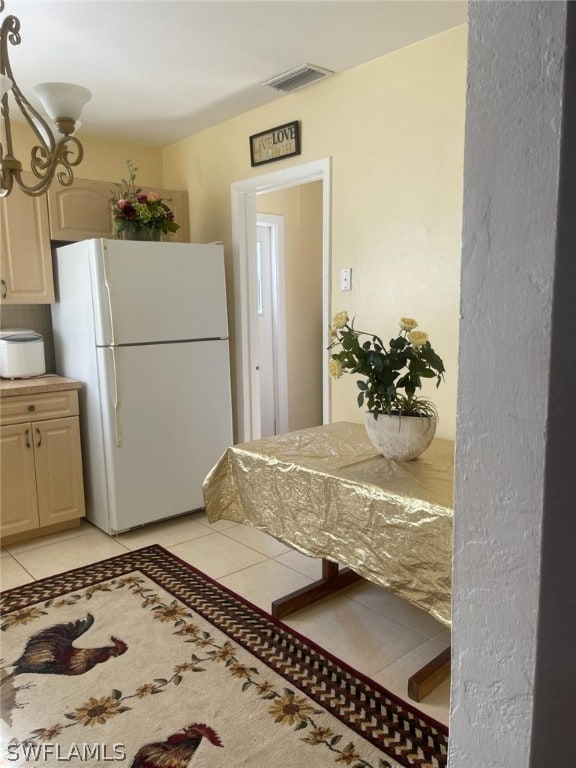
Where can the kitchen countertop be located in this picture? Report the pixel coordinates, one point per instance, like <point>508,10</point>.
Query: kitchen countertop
<point>36,385</point>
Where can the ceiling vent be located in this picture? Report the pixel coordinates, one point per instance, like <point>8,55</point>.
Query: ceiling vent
<point>298,78</point>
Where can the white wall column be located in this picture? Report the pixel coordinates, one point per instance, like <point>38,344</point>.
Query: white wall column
<point>514,668</point>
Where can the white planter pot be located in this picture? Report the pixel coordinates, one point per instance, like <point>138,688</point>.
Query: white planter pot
<point>401,438</point>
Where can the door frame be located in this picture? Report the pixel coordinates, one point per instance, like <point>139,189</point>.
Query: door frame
<point>275,224</point>
<point>243,201</point>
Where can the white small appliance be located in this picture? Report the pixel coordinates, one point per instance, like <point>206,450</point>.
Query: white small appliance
<point>21,354</point>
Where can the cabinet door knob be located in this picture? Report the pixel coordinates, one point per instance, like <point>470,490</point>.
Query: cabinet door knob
<point>27,433</point>
<point>4,288</point>
<point>31,408</point>
<point>39,443</point>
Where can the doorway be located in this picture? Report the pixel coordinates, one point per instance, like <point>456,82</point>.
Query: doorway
<point>271,320</point>
<point>244,235</point>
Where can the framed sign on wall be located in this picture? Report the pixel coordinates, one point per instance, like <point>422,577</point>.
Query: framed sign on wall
<point>275,143</point>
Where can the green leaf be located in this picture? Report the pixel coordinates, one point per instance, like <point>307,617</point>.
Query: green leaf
<point>348,343</point>
<point>301,724</point>
<point>416,365</point>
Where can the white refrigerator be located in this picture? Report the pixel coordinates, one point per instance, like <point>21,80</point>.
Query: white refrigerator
<point>144,327</point>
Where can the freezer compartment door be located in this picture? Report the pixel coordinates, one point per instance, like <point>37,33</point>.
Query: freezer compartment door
<point>151,292</point>
<point>167,420</point>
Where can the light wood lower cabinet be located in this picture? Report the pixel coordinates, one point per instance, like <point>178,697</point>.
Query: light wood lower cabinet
<point>19,497</point>
<point>41,466</point>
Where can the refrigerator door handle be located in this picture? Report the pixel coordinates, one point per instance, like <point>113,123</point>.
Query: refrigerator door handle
<point>117,425</point>
<point>107,284</point>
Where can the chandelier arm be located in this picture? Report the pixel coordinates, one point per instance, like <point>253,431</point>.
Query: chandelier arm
<point>6,183</point>
<point>68,154</point>
<point>10,32</point>
<point>4,113</point>
<point>51,157</point>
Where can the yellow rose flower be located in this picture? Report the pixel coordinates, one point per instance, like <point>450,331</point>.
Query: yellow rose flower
<point>388,378</point>
<point>340,319</point>
<point>408,323</point>
<point>335,370</point>
<point>417,338</point>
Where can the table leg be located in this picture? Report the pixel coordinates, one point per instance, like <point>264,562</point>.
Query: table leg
<point>429,677</point>
<point>333,579</point>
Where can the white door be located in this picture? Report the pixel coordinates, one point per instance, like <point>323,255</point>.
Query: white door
<point>266,335</point>
<point>244,217</point>
<point>167,420</point>
<point>270,305</point>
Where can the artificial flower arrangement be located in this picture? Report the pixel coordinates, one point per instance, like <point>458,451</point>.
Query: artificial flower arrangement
<point>391,376</point>
<point>134,211</point>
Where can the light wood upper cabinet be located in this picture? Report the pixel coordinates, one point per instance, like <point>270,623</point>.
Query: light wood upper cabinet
<point>25,255</point>
<point>79,212</point>
<point>178,202</point>
<point>82,211</point>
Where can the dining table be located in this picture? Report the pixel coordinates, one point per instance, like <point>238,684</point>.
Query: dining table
<point>326,492</point>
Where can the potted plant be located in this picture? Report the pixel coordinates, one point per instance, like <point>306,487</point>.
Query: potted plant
<point>139,215</point>
<point>400,422</point>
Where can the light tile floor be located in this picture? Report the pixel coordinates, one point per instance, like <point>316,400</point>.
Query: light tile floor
<point>375,632</point>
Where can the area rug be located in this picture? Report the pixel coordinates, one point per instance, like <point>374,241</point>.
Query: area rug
<point>143,661</point>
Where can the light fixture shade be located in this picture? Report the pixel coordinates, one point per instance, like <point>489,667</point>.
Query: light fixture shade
<point>5,85</point>
<point>62,100</point>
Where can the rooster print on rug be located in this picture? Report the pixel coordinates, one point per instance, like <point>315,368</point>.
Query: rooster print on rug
<point>177,750</point>
<point>51,652</point>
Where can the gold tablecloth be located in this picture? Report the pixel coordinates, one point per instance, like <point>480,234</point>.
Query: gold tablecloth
<point>326,492</point>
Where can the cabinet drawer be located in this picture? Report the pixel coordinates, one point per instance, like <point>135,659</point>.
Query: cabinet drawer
<point>48,405</point>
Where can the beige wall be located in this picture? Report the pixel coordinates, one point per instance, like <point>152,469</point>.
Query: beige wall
<point>104,159</point>
<point>301,207</point>
<point>394,129</point>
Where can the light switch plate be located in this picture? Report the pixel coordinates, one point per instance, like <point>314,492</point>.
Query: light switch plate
<point>346,279</point>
